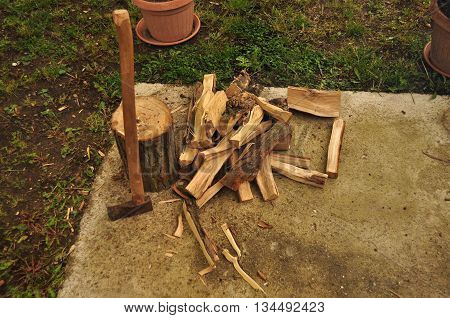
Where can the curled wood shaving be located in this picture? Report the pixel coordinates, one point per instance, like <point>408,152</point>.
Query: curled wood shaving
<point>233,259</point>
<point>180,227</point>
<point>231,239</point>
<point>264,225</point>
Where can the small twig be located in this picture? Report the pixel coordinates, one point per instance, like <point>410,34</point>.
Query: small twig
<point>231,239</point>
<point>233,259</point>
<point>435,157</point>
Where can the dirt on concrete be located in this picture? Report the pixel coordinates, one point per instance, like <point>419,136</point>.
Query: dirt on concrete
<point>380,230</point>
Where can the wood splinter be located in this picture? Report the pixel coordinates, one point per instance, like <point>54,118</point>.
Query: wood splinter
<point>310,177</point>
<point>231,239</point>
<point>201,238</point>
<point>234,260</point>
<point>334,148</point>
<point>179,231</point>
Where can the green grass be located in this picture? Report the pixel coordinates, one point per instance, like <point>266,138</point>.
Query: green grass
<point>59,82</point>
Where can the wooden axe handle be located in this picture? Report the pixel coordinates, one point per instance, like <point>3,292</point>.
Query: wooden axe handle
<point>123,26</point>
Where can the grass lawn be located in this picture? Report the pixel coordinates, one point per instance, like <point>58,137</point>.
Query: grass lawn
<point>59,83</point>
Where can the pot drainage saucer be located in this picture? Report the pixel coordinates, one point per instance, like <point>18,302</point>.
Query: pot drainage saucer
<point>144,35</point>
<point>426,55</point>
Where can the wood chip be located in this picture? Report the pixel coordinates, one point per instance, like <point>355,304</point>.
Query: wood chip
<point>169,254</point>
<point>262,275</point>
<point>264,225</point>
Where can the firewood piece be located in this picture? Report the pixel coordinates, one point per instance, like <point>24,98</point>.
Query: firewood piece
<point>222,146</point>
<point>231,239</point>
<point>179,231</point>
<point>215,108</point>
<point>209,194</point>
<point>188,156</point>
<point>157,153</point>
<point>199,236</point>
<point>239,84</point>
<point>316,102</point>
<point>260,129</point>
<point>227,123</point>
<point>245,190</point>
<point>310,177</point>
<point>205,175</point>
<point>266,182</point>
<point>301,162</point>
<point>196,94</point>
<point>255,118</point>
<point>233,259</point>
<point>200,138</point>
<point>247,168</point>
<point>274,111</point>
<point>284,145</point>
<point>334,148</point>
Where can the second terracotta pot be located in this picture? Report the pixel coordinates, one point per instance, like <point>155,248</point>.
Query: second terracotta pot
<point>168,21</point>
<point>440,40</point>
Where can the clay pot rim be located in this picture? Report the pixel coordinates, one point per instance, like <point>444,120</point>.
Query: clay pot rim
<point>161,6</point>
<point>140,31</point>
<point>439,17</point>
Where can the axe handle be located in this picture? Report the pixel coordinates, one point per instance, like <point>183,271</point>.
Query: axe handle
<point>123,27</point>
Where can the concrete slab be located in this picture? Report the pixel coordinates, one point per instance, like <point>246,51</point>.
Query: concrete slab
<point>380,230</point>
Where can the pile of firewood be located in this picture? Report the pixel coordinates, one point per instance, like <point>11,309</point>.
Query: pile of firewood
<point>231,137</point>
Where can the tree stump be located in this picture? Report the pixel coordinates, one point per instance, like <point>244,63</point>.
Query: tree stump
<point>157,150</point>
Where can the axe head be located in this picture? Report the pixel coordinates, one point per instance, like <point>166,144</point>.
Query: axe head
<point>129,208</point>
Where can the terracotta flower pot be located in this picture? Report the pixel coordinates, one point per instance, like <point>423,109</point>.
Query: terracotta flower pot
<point>168,21</point>
<point>440,40</point>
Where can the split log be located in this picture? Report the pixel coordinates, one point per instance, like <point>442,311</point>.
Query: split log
<point>188,154</point>
<point>247,168</point>
<point>226,124</point>
<point>272,110</point>
<point>260,129</point>
<point>334,148</point>
<point>314,178</point>
<point>157,151</point>
<point>301,162</point>
<point>254,120</point>
<point>266,182</point>
<point>245,190</point>
<point>316,102</point>
<point>205,175</point>
<point>222,146</point>
<point>200,138</point>
<point>206,245</point>
<point>209,194</point>
<point>214,110</point>
<point>239,84</point>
